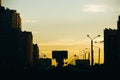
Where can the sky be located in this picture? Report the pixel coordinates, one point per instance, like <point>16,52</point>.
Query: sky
<point>65,24</point>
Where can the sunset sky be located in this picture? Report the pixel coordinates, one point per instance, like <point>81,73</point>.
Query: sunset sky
<point>65,24</point>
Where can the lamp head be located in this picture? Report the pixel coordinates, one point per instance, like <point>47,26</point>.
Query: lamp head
<point>98,35</point>
<point>88,36</point>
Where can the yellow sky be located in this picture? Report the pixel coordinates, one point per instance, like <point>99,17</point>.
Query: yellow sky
<point>72,50</point>
<point>65,24</point>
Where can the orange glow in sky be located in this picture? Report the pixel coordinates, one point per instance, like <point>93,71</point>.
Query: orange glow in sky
<point>65,24</point>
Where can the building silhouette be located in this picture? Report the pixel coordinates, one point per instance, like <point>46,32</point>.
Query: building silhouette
<point>9,19</point>
<point>16,46</point>
<point>0,2</point>
<point>112,46</point>
<point>82,62</point>
<point>45,64</point>
<point>35,53</point>
<point>60,56</point>
<point>26,48</point>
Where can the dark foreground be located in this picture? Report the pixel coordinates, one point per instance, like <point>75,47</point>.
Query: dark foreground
<point>102,74</point>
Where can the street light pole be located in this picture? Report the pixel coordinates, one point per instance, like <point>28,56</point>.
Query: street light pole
<point>99,57</point>
<point>99,52</point>
<point>92,58</point>
<point>92,52</point>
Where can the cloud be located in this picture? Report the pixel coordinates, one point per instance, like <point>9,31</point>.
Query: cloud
<point>65,42</point>
<point>35,32</point>
<point>95,8</point>
<point>59,42</point>
<point>31,21</point>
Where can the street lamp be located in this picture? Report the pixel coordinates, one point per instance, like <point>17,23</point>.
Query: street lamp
<point>98,54</point>
<point>82,55</point>
<point>92,59</point>
<point>99,51</point>
<point>85,53</point>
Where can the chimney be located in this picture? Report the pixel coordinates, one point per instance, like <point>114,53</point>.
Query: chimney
<point>118,23</point>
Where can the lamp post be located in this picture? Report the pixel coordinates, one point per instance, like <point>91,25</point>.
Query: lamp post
<point>99,57</point>
<point>85,53</point>
<point>98,54</point>
<point>99,51</point>
<point>92,53</point>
